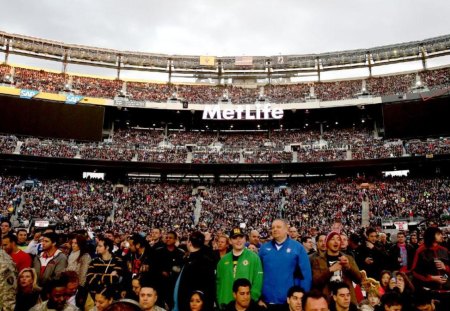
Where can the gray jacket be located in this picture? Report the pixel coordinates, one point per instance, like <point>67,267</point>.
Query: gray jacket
<point>53,269</point>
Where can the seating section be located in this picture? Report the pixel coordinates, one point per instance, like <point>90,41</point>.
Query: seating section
<point>210,94</point>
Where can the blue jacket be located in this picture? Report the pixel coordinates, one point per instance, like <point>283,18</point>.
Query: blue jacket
<point>283,269</point>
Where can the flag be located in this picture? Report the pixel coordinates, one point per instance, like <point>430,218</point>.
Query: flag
<point>207,60</point>
<point>244,61</point>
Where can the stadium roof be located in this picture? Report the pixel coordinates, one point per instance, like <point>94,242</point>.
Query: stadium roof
<point>194,64</point>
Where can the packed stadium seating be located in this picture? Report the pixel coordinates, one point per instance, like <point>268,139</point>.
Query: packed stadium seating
<point>210,94</point>
<point>144,205</point>
<point>230,147</point>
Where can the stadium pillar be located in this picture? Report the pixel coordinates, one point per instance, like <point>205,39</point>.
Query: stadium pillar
<point>170,63</point>
<point>219,72</point>
<point>369,63</point>
<point>64,62</point>
<point>119,65</point>
<point>318,61</point>
<point>163,177</point>
<point>7,51</point>
<point>424,57</point>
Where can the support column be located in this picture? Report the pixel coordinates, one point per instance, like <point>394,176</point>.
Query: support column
<point>8,42</point>
<point>318,68</point>
<point>64,62</point>
<point>423,55</point>
<point>369,63</point>
<point>170,63</point>
<point>119,65</point>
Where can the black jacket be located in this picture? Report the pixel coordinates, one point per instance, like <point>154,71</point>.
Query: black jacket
<point>197,274</point>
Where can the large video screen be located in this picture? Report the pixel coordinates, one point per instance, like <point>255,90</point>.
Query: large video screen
<point>50,119</point>
<point>417,119</point>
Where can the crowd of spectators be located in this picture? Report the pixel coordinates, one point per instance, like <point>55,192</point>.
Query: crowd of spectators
<point>172,155</point>
<point>143,205</point>
<point>209,94</point>
<point>281,146</point>
<point>267,156</point>
<point>49,148</point>
<point>8,143</point>
<point>430,146</point>
<point>200,155</point>
<point>107,151</point>
<point>133,223</point>
<point>10,194</point>
<point>40,80</point>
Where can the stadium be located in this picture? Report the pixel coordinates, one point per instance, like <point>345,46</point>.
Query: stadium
<point>224,141</point>
<point>194,133</point>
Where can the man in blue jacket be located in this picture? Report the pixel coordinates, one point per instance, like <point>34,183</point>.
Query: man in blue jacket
<point>285,264</point>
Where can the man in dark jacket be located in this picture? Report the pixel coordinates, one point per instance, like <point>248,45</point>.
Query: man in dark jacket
<point>370,256</point>
<point>168,264</point>
<point>401,254</point>
<point>197,274</point>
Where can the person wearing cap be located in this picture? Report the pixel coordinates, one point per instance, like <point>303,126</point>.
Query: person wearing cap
<point>334,266</point>
<point>285,264</point>
<point>237,264</point>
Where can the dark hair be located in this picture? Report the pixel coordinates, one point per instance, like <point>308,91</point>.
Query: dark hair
<point>107,292</point>
<point>61,282</point>
<point>401,233</point>
<point>408,284</point>
<point>354,238</point>
<point>295,289</point>
<point>199,293</point>
<point>422,298</point>
<point>429,237</point>
<point>22,230</point>
<point>241,283</point>
<point>7,221</point>
<point>70,276</point>
<point>305,238</point>
<point>107,243</point>
<point>11,237</point>
<point>383,272</point>
<point>52,236</point>
<point>197,239</point>
<point>391,298</point>
<point>173,233</point>
<point>146,282</point>
<point>82,244</point>
<point>320,234</point>
<point>139,239</point>
<point>314,294</point>
<point>336,286</point>
<point>370,230</point>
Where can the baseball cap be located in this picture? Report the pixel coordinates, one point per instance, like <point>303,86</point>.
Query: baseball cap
<point>236,232</point>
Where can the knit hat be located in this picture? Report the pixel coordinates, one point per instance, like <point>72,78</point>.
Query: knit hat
<point>330,236</point>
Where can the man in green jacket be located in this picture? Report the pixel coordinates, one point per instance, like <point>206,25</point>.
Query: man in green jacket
<point>237,264</point>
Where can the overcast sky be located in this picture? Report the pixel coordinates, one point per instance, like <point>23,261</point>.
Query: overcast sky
<point>232,27</point>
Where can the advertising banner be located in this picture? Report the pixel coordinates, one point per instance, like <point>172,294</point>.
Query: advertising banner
<point>72,99</point>
<point>28,94</point>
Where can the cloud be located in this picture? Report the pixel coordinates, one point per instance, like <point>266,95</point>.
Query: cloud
<point>234,27</point>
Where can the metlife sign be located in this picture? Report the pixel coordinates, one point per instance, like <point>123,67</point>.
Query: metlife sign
<point>242,112</point>
<point>28,94</point>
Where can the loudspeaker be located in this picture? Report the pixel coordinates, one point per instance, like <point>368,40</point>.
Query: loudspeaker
<point>185,104</point>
